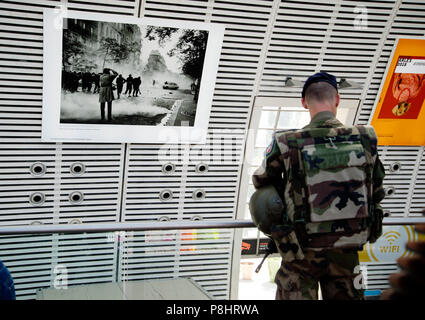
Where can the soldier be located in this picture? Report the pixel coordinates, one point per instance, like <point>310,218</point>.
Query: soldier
<point>85,82</point>
<point>96,82</point>
<point>136,85</point>
<point>329,180</point>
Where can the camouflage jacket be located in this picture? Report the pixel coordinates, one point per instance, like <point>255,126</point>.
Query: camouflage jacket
<point>273,171</point>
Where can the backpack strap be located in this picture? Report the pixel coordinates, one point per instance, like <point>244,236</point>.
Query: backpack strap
<point>301,209</point>
<point>369,141</point>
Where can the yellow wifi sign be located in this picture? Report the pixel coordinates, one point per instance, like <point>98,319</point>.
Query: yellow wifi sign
<point>390,246</point>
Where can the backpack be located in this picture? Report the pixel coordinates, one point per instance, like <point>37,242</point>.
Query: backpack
<point>328,190</point>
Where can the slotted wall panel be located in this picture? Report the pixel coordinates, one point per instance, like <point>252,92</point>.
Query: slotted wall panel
<point>376,275</point>
<point>87,259</point>
<point>121,7</point>
<point>417,206</point>
<point>29,259</point>
<point>144,182</point>
<point>408,20</point>
<point>298,34</point>
<point>99,184</point>
<point>309,37</point>
<point>352,47</point>
<point>18,183</point>
<point>203,255</point>
<point>401,180</point>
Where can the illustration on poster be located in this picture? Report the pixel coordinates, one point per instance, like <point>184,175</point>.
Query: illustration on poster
<point>406,92</point>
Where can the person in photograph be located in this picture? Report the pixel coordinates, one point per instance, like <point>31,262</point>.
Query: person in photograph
<point>7,287</point>
<point>106,94</point>
<point>73,82</point>
<point>120,83</point>
<point>129,87</point>
<point>89,82</point>
<point>136,85</point>
<point>79,82</point>
<point>86,82</point>
<point>66,80</point>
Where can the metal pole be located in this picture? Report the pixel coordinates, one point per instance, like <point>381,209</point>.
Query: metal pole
<point>148,226</point>
<point>403,221</point>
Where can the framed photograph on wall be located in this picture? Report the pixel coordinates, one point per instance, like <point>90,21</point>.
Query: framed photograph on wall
<point>109,78</point>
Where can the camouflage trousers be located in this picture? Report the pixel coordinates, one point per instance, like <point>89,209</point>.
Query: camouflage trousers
<point>299,279</point>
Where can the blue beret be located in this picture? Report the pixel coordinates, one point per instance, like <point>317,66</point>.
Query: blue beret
<point>320,77</point>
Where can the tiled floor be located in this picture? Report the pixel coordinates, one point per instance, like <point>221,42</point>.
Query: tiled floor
<point>259,287</point>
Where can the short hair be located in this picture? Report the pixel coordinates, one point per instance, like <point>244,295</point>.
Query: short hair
<point>106,70</point>
<point>320,92</point>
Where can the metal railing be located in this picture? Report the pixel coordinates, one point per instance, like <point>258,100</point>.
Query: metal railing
<point>150,226</point>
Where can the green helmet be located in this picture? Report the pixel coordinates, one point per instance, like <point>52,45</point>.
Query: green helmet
<point>266,208</point>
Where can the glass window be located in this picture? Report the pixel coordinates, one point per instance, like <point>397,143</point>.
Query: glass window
<point>271,119</point>
<point>269,115</point>
<point>263,138</point>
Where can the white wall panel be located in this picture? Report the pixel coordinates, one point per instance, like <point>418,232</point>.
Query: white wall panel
<point>417,188</point>
<point>265,42</point>
<point>29,260</point>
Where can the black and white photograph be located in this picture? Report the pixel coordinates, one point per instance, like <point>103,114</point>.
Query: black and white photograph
<point>140,74</point>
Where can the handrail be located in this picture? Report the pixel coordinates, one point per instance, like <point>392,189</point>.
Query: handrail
<point>151,226</point>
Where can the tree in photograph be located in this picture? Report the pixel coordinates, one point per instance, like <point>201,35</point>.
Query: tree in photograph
<point>161,33</point>
<point>133,48</point>
<point>113,51</point>
<point>190,50</point>
<point>72,50</point>
<point>84,64</point>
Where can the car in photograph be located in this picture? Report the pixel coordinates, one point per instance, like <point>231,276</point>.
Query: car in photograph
<point>170,85</point>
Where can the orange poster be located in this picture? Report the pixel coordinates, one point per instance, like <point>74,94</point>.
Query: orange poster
<point>400,110</point>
